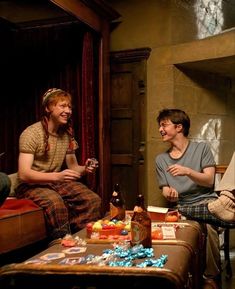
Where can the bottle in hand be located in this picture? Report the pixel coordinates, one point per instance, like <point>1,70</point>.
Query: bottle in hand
<point>117,205</point>
<point>141,225</point>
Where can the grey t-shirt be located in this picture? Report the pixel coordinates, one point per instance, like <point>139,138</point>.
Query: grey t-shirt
<point>197,156</point>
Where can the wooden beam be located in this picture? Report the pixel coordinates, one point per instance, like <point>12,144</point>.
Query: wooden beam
<point>80,11</point>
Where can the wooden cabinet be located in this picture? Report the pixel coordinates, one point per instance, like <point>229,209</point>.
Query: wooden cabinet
<point>128,122</point>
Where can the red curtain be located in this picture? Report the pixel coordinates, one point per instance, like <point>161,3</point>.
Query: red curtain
<point>36,59</point>
<point>87,106</point>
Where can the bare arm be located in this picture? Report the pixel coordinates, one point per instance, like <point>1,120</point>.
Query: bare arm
<point>204,178</point>
<point>72,163</point>
<point>27,174</point>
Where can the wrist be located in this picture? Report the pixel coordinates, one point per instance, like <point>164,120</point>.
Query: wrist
<point>189,172</point>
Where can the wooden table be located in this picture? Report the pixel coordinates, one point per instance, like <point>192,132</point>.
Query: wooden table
<point>181,271</point>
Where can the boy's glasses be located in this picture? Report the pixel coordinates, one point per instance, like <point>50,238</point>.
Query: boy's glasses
<point>163,125</point>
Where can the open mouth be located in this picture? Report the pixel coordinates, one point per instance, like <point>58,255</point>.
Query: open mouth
<point>162,133</point>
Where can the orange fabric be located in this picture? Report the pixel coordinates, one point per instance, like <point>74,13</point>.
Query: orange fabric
<point>16,207</point>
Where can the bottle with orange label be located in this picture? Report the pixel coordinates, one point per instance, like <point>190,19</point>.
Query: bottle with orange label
<point>117,205</point>
<point>141,225</point>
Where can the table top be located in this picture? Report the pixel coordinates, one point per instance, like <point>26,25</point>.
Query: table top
<point>180,256</point>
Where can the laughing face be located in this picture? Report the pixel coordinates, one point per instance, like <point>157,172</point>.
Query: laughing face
<point>61,111</point>
<point>57,107</point>
<point>168,129</point>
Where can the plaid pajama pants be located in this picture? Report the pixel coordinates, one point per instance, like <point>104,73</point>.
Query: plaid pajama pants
<point>201,213</point>
<point>67,206</point>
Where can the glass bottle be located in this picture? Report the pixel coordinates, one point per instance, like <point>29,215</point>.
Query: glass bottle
<point>117,205</point>
<point>141,225</point>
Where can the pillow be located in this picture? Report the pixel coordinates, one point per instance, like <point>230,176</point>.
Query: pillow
<point>5,186</point>
<point>14,181</point>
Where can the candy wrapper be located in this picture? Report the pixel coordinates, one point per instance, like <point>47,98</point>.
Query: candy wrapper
<point>70,241</point>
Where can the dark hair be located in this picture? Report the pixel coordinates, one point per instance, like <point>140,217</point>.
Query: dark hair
<point>176,116</point>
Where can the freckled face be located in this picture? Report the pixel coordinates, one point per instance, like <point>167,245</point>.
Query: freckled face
<point>61,112</point>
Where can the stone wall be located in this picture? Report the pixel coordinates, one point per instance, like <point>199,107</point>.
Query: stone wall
<point>207,94</point>
<point>208,97</point>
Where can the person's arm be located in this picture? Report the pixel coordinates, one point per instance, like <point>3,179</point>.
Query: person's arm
<point>28,175</point>
<point>72,163</point>
<point>204,178</point>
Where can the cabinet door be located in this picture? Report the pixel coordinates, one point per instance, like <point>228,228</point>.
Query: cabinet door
<point>128,126</point>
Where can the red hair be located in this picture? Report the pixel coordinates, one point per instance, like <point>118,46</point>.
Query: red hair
<point>51,97</point>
